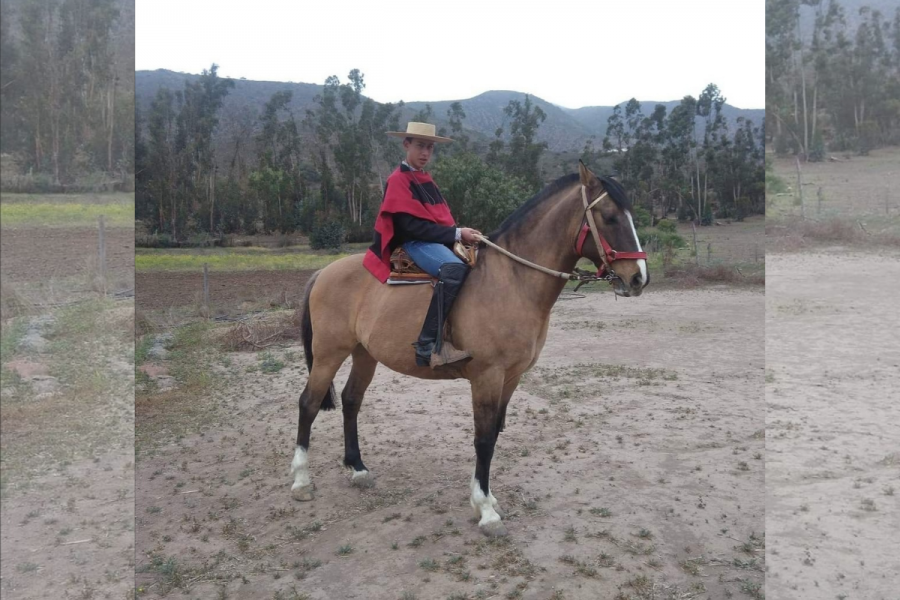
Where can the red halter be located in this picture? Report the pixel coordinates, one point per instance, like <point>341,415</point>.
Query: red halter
<point>608,255</point>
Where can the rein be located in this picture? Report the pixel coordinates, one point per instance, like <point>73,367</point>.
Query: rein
<point>607,256</point>
<point>568,276</point>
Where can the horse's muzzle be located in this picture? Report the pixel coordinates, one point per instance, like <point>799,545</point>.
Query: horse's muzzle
<point>633,288</point>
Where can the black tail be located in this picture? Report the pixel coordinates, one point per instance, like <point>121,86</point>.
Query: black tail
<point>306,333</point>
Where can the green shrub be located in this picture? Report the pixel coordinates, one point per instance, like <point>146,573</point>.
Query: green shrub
<point>327,236</point>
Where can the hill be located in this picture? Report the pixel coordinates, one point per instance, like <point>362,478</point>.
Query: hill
<point>564,130</point>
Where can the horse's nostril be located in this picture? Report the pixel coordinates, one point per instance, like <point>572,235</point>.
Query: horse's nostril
<point>637,280</point>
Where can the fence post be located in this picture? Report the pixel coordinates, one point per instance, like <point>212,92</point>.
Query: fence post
<point>819,204</point>
<point>101,254</point>
<point>696,254</point>
<point>708,253</point>
<point>800,190</point>
<point>206,290</point>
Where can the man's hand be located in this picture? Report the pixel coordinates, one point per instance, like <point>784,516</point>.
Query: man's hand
<point>468,234</point>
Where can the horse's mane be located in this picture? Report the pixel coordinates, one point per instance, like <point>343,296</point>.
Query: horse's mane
<point>613,187</point>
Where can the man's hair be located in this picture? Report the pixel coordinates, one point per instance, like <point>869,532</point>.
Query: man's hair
<point>409,139</point>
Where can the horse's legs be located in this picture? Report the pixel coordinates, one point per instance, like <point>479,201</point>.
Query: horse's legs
<point>351,399</point>
<point>320,380</point>
<point>508,388</point>
<point>487,393</point>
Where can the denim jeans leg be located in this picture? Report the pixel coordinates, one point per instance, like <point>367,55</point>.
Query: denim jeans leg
<point>429,256</point>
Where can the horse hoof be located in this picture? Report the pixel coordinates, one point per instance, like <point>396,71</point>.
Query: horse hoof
<point>494,529</point>
<point>362,479</point>
<point>304,493</point>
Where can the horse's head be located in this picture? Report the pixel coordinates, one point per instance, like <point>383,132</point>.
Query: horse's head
<point>608,237</point>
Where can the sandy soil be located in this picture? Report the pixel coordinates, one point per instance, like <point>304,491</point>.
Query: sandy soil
<point>631,467</point>
<point>71,534</point>
<point>833,425</point>
<point>68,463</point>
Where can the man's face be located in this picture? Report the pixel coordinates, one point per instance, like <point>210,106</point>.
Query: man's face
<point>418,152</point>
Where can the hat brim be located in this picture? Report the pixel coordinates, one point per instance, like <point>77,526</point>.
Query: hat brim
<point>431,138</point>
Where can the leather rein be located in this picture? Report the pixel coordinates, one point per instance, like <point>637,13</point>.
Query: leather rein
<point>588,225</point>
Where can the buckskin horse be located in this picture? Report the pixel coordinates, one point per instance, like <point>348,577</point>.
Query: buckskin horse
<point>501,316</point>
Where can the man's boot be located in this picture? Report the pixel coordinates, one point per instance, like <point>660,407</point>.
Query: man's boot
<point>431,349</point>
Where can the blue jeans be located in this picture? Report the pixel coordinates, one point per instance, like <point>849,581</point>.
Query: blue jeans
<point>429,256</point>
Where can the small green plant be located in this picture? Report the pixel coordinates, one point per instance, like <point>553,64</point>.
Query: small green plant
<point>269,364</point>
<point>429,564</point>
<point>345,550</point>
<point>27,567</point>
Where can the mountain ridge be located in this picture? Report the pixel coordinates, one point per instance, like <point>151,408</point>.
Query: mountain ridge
<point>565,129</point>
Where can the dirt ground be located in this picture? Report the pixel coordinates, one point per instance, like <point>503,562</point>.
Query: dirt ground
<point>68,456</point>
<point>32,254</point>
<point>833,425</point>
<point>67,398</point>
<point>228,291</point>
<point>631,467</point>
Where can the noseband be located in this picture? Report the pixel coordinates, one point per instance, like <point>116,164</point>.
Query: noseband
<point>608,255</point>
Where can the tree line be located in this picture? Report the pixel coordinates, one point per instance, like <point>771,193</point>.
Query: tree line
<point>689,161</point>
<point>830,85</point>
<point>326,168</point>
<point>66,111</point>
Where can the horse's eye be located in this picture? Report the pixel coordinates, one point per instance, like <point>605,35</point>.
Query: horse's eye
<point>612,221</point>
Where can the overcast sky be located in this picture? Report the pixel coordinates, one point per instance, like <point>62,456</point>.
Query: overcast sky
<point>570,53</point>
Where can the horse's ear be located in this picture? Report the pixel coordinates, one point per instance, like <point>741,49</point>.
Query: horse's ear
<point>587,177</point>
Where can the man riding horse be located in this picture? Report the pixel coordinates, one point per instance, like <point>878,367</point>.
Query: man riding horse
<point>502,316</point>
<point>415,215</point>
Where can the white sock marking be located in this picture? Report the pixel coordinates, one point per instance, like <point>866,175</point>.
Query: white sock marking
<point>482,504</point>
<point>300,468</point>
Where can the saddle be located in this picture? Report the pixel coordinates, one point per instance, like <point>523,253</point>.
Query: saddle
<point>404,271</point>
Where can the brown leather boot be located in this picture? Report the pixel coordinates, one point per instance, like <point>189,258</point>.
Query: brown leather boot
<point>449,357</point>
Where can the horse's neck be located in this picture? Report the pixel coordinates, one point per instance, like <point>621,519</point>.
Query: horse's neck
<point>546,238</point>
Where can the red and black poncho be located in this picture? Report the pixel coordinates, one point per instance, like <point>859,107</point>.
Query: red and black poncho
<point>410,192</point>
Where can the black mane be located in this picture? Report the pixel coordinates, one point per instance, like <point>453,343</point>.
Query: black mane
<point>613,187</point>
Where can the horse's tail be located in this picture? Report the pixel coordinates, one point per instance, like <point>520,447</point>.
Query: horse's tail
<point>306,332</point>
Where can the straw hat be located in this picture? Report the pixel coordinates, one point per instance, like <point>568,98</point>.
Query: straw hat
<point>425,131</point>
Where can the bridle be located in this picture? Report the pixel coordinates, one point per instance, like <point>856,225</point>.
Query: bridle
<point>608,255</point>
<point>588,225</point>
